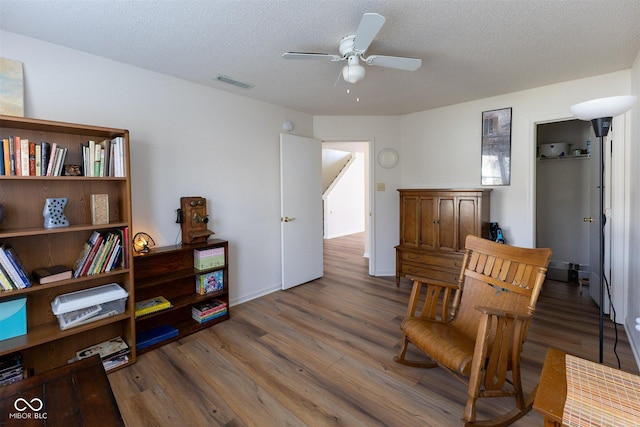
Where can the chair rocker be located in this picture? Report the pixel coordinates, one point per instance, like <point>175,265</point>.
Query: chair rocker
<point>476,330</point>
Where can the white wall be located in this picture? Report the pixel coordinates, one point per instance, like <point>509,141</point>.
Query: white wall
<point>186,140</point>
<point>332,163</point>
<point>633,217</point>
<point>441,147</point>
<point>344,208</point>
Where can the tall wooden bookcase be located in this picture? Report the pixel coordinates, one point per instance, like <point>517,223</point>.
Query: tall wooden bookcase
<point>45,346</point>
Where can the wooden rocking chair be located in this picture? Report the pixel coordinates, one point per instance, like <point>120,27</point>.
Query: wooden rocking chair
<point>476,330</point>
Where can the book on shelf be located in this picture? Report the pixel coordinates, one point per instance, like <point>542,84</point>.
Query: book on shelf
<point>11,369</point>
<point>5,280</point>
<point>116,346</point>
<point>207,283</point>
<point>12,155</point>
<point>51,159</point>
<point>99,209</point>
<point>151,305</point>
<point>31,153</point>
<point>61,154</point>
<point>208,317</point>
<point>45,152</point>
<point>24,156</point>
<point>38,159</point>
<point>113,353</point>
<point>208,307</point>
<point>51,274</point>
<point>208,311</point>
<point>6,156</point>
<point>12,265</point>
<point>17,156</point>
<point>153,336</point>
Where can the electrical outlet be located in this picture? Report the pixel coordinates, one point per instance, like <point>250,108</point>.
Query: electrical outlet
<point>380,186</point>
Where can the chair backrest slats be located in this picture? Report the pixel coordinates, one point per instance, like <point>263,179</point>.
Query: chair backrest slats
<point>499,276</point>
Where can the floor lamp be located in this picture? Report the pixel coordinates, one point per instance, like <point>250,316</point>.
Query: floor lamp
<point>601,113</point>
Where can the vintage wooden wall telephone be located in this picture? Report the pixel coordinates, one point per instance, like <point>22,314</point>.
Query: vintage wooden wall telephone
<point>193,219</point>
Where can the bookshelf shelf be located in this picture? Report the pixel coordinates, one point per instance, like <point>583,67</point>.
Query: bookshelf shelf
<point>39,231</point>
<point>168,271</point>
<point>45,346</point>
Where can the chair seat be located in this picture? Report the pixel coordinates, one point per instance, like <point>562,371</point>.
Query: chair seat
<point>443,342</point>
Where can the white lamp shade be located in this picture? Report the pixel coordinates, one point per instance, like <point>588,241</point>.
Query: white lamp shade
<point>603,107</point>
<point>353,73</point>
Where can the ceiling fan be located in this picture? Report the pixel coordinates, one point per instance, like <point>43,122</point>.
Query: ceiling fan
<point>353,47</point>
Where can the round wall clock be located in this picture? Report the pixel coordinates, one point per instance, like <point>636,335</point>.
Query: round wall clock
<point>388,158</point>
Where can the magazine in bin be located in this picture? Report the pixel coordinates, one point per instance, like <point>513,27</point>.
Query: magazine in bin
<point>88,305</point>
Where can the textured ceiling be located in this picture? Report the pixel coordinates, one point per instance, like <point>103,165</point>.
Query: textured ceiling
<point>469,49</point>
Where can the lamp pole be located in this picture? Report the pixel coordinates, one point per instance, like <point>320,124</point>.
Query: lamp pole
<point>601,112</point>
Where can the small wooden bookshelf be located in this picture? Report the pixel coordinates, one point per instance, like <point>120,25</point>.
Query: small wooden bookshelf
<point>169,272</point>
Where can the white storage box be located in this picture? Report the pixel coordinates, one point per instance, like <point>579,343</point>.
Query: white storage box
<point>89,305</point>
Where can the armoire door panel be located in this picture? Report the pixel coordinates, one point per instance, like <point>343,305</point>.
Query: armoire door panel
<point>428,223</point>
<point>468,220</point>
<point>409,224</point>
<point>446,224</point>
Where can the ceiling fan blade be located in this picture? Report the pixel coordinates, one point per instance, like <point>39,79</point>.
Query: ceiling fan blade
<point>367,31</point>
<point>311,55</point>
<point>397,62</point>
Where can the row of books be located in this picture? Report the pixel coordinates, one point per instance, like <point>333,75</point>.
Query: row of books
<point>103,158</point>
<point>114,352</point>
<point>12,272</point>
<point>208,311</point>
<point>22,157</point>
<point>11,369</point>
<point>102,252</point>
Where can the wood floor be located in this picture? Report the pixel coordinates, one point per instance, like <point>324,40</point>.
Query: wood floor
<point>321,354</point>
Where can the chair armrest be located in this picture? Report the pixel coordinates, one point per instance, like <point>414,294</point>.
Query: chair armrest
<point>427,281</point>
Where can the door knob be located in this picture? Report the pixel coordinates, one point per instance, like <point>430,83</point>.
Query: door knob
<point>587,219</point>
<point>287,219</point>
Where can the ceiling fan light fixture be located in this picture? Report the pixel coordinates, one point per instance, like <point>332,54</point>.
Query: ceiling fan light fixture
<point>353,72</point>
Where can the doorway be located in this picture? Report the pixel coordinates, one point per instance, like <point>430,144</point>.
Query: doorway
<point>564,167</point>
<point>346,171</point>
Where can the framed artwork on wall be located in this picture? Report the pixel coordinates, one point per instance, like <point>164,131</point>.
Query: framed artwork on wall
<point>11,88</point>
<point>496,147</point>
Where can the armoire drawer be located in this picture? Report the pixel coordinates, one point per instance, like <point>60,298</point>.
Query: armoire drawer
<point>430,273</point>
<point>448,261</point>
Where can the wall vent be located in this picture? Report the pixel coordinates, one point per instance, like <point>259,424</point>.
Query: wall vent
<point>229,80</point>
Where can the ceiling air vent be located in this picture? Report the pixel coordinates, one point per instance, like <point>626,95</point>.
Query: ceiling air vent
<point>229,80</point>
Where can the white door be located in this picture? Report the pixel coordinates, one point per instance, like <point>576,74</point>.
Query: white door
<point>301,209</point>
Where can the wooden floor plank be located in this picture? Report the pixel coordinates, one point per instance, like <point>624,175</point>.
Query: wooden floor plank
<point>321,354</point>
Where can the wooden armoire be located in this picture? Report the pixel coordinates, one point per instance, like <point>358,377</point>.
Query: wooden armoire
<point>434,224</point>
